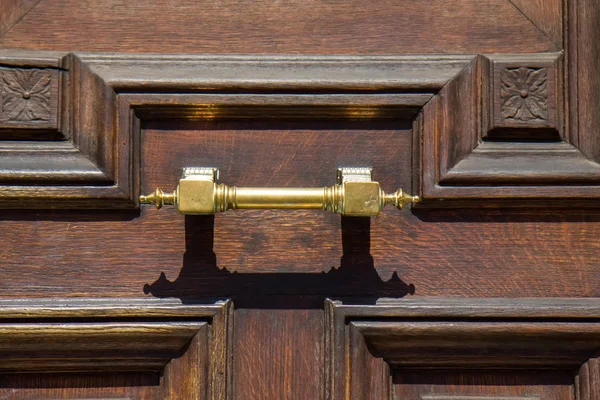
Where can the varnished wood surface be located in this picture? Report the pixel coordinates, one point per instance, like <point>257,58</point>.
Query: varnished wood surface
<point>278,267</point>
<point>277,344</point>
<point>338,27</point>
<point>531,348</point>
<point>547,15</point>
<point>84,386</point>
<point>492,385</point>
<point>182,350</point>
<point>442,253</point>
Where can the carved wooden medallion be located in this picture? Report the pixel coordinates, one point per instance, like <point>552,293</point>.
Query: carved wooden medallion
<point>25,95</point>
<point>524,94</point>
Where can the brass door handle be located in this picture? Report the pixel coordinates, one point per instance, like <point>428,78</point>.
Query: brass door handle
<point>355,194</point>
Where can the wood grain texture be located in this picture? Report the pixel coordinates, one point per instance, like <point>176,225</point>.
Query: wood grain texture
<point>12,11</point>
<point>283,348</point>
<point>502,337</point>
<point>497,344</point>
<point>338,27</point>
<point>124,386</point>
<point>369,376</point>
<point>584,75</point>
<point>587,384</point>
<point>469,156</point>
<point>102,120</point>
<point>92,346</point>
<point>464,253</point>
<point>480,385</point>
<point>184,349</point>
<point>288,120</point>
<point>547,15</point>
<point>461,159</point>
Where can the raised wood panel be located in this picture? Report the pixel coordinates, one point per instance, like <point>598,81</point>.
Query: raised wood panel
<point>123,346</point>
<point>183,350</point>
<point>453,336</point>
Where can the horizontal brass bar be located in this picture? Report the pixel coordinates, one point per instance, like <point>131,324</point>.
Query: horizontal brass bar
<point>356,194</point>
<point>279,198</point>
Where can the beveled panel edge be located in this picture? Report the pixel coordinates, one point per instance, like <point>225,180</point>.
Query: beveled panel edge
<point>97,117</point>
<point>154,322</point>
<point>341,332</point>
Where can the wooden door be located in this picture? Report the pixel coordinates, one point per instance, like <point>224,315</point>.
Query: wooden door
<point>488,110</point>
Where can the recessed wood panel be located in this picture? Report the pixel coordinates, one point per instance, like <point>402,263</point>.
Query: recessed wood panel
<point>149,349</point>
<point>288,153</point>
<point>483,385</point>
<point>457,348</point>
<point>80,386</point>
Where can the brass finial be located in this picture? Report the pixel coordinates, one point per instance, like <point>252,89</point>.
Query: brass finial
<point>158,198</point>
<point>399,198</point>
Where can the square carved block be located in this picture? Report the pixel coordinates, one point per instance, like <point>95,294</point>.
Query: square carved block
<point>29,98</point>
<point>522,97</point>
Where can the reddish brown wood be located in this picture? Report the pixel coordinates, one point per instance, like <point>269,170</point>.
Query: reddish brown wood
<point>12,11</point>
<point>83,386</point>
<point>491,385</point>
<point>183,351</point>
<point>339,27</point>
<point>496,253</point>
<point>483,348</point>
<point>435,125</point>
<point>546,15</point>
<point>284,350</point>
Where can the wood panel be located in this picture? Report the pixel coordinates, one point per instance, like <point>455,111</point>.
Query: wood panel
<point>491,385</point>
<point>546,15</point>
<point>12,11</point>
<point>335,27</point>
<point>164,347</point>
<point>123,386</point>
<point>464,348</point>
<point>463,253</point>
<point>121,122</point>
<point>283,348</point>
<point>98,167</point>
<point>508,145</point>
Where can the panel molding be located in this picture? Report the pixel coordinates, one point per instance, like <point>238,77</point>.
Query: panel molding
<point>104,99</point>
<point>460,333</point>
<point>493,130</point>
<point>189,346</point>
